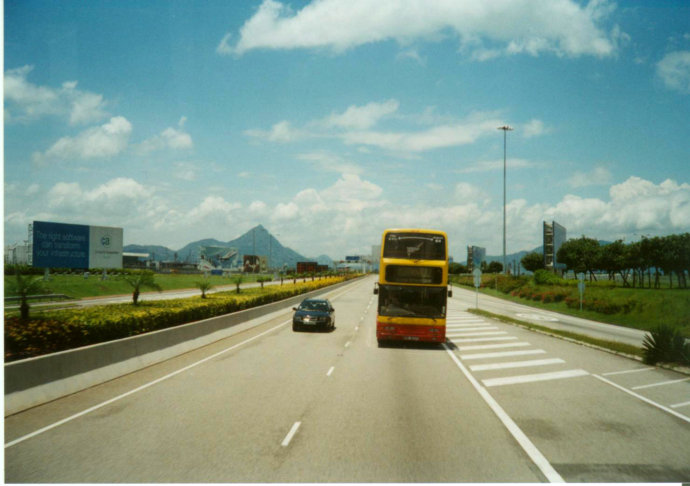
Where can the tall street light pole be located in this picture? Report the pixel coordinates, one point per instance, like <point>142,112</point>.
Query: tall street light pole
<point>506,129</point>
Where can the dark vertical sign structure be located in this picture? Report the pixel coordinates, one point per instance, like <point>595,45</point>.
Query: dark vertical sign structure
<point>59,245</point>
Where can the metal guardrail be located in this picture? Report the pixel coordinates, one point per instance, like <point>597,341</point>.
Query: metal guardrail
<point>16,298</point>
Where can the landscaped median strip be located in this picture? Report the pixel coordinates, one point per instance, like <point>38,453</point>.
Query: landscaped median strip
<point>68,329</point>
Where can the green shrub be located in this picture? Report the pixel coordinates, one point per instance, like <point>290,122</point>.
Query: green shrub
<point>665,344</point>
<point>544,277</point>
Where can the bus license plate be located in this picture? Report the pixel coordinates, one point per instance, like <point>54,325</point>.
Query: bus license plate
<point>411,338</point>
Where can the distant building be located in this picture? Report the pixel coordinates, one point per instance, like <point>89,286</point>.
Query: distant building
<point>135,260</point>
<point>18,254</point>
<point>376,257</point>
<point>554,237</point>
<point>475,256</point>
<point>307,267</point>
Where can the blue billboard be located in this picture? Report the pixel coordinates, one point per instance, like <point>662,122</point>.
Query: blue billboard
<point>59,245</point>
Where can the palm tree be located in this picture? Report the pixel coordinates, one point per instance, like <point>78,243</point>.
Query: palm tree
<point>204,286</point>
<point>24,286</point>
<point>141,279</point>
<point>237,280</point>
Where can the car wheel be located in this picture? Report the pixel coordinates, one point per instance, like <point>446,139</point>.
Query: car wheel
<point>295,328</point>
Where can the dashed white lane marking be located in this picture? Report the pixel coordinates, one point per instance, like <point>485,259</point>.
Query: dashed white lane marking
<point>513,380</point>
<point>662,383</point>
<point>678,405</point>
<point>479,347</point>
<point>624,372</point>
<point>516,364</point>
<point>347,344</point>
<point>330,371</point>
<point>501,354</point>
<point>291,434</point>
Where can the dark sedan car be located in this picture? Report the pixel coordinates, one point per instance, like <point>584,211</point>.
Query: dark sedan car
<point>315,314</point>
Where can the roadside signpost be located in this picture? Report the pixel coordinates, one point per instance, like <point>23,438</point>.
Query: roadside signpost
<point>581,286</point>
<point>477,274</point>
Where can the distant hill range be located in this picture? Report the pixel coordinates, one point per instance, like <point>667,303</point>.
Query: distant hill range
<point>256,241</point>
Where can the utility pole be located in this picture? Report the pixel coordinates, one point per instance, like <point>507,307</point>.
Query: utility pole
<point>506,129</point>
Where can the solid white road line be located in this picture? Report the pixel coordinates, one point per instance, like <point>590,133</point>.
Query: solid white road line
<point>142,387</point>
<point>513,380</point>
<point>516,364</point>
<point>526,444</point>
<point>291,434</point>
<point>646,400</point>
<point>662,383</point>
<point>501,354</point>
<point>479,347</point>
<point>678,405</point>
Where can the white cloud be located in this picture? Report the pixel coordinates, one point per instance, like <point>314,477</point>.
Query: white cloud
<point>355,126</point>
<point>119,202</point>
<point>330,162</point>
<point>468,192</point>
<point>170,138</point>
<point>213,205</point>
<point>597,177</point>
<point>533,128</point>
<point>280,132</point>
<point>98,142</point>
<point>674,71</point>
<point>26,101</point>
<point>186,171</point>
<point>559,26</point>
<point>447,135</point>
<point>635,206</point>
<point>493,165</point>
<point>362,117</point>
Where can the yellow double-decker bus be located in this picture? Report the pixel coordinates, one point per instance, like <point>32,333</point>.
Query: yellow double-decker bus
<point>413,286</point>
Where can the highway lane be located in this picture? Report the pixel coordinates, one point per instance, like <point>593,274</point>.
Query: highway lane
<point>270,405</point>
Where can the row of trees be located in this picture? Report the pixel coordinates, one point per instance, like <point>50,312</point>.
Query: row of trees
<point>647,259</point>
<point>490,267</point>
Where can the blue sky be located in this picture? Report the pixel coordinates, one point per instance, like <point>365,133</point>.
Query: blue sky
<point>329,121</point>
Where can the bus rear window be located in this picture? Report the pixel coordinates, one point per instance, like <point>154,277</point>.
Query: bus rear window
<point>414,275</point>
<point>404,301</point>
<point>414,246</point>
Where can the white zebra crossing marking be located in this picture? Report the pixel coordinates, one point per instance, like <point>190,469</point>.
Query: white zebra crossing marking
<point>513,380</point>
<point>516,364</point>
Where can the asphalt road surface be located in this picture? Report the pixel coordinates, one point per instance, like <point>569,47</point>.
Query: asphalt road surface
<point>496,403</point>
